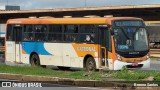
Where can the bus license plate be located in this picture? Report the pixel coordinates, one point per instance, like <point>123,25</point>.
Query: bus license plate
<point>134,64</point>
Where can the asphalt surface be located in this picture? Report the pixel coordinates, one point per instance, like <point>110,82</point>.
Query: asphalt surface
<point>55,88</point>
<point>154,65</point>
<point>46,86</point>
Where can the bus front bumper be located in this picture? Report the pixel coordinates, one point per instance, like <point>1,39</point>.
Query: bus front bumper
<point>118,65</point>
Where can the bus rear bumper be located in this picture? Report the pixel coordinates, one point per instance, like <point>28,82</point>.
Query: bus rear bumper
<point>118,65</point>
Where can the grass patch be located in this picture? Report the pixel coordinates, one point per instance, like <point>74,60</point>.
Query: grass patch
<point>39,71</point>
<point>136,75</point>
<point>123,74</point>
<point>155,58</point>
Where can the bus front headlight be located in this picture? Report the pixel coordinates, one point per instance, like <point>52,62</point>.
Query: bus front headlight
<point>119,57</point>
<point>148,56</point>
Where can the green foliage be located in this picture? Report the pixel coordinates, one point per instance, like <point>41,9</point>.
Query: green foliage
<point>155,58</point>
<point>124,74</point>
<point>136,75</point>
<point>124,69</point>
<point>39,71</point>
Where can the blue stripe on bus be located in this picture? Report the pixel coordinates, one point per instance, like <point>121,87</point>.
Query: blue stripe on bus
<point>37,47</point>
<point>2,33</point>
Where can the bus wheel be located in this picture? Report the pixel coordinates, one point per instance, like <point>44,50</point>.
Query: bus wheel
<point>63,68</point>
<point>35,60</point>
<point>90,64</point>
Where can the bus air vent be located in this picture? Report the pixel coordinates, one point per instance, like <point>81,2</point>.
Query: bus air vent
<point>32,17</point>
<point>67,16</point>
<point>91,16</point>
<point>46,17</point>
<point>108,15</point>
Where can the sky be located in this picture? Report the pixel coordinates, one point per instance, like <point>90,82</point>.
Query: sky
<point>51,4</point>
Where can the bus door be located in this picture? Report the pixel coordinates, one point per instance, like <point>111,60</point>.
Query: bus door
<point>103,48</point>
<point>17,30</point>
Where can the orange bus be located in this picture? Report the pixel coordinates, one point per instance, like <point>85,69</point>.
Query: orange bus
<point>91,43</point>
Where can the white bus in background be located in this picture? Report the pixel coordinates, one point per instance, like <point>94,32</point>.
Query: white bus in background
<point>2,37</point>
<point>153,28</point>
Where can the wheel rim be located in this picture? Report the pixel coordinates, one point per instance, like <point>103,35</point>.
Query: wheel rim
<point>35,60</point>
<point>91,65</point>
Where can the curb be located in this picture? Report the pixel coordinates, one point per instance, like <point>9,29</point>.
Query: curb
<point>74,82</point>
<point>63,81</point>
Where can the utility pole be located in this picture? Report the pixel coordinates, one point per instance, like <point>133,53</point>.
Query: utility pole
<point>85,3</point>
<point>7,2</point>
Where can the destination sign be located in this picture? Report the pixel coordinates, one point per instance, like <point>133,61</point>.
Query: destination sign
<point>128,23</point>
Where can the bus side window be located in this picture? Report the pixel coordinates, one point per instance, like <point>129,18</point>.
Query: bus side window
<point>58,33</point>
<point>41,33</point>
<point>26,37</point>
<point>44,33</point>
<point>50,33</point>
<point>70,32</point>
<point>28,33</point>
<point>55,33</point>
<point>87,33</point>
<point>75,35</point>
<point>37,29</point>
<point>9,32</point>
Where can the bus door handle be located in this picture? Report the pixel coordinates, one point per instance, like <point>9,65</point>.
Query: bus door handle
<point>104,55</point>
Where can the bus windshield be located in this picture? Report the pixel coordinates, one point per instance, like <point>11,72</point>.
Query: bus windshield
<point>130,39</point>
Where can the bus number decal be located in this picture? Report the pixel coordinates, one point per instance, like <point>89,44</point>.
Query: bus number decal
<point>87,49</point>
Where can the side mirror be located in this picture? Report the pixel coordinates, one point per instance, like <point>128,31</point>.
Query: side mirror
<point>112,32</point>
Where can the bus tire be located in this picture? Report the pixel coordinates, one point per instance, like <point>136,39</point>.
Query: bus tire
<point>35,60</point>
<point>63,68</point>
<point>90,64</point>
<point>43,66</point>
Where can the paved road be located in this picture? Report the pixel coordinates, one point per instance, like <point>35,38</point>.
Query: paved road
<point>46,86</point>
<point>55,88</point>
<point>155,65</point>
